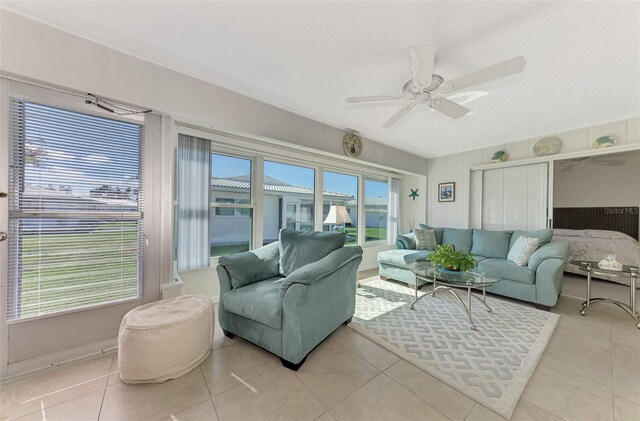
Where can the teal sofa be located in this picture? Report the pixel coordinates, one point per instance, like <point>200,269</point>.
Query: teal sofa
<point>539,282</point>
<point>288,296</point>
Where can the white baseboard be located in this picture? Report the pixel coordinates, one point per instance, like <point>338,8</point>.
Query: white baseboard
<point>60,358</point>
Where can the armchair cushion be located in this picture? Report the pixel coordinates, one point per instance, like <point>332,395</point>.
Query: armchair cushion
<point>317,270</point>
<point>251,266</point>
<point>298,248</point>
<point>491,243</point>
<point>259,301</point>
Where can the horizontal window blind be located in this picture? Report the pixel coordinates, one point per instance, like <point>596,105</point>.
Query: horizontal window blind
<point>75,210</point>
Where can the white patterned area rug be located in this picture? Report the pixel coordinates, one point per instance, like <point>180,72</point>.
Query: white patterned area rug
<point>491,365</point>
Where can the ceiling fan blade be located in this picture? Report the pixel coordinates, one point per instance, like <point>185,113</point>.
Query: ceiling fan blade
<point>496,71</point>
<point>355,99</point>
<point>398,115</point>
<point>423,57</point>
<point>449,107</point>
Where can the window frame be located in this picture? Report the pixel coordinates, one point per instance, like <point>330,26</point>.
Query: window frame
<point>386,211</point>
<point>215,150</point>
<point>63,102</point>
<point>262,149</point>
<point>295,163</point>
<point>357,176</point>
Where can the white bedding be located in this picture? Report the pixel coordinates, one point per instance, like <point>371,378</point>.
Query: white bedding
<point>595,244</point>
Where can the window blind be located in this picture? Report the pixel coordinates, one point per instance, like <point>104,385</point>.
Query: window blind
<point>75,210</point>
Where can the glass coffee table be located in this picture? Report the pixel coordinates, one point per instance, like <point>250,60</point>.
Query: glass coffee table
<point>631,272</point>
<point>447,281</point>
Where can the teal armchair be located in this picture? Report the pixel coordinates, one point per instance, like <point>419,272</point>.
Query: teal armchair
<point>288,296</point>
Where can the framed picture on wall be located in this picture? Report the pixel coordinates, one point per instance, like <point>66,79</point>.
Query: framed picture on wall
<point>447,192</point>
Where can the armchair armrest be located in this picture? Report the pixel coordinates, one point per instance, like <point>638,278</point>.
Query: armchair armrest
<point>553,250</point>
<point>406,241</point>
<point>252,266</point>
<point>312,272</point>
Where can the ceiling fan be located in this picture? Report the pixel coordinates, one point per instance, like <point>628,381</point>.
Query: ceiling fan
<point>423,87</point>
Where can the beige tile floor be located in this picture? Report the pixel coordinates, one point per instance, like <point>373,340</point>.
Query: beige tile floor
<point>590,371</point>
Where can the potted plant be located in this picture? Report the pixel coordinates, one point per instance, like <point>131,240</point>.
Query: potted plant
<point>447,258</point>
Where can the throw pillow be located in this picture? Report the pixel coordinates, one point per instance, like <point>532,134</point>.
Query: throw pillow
<point>522,250</point>
<point>425,239</point>
<point>439,231</point>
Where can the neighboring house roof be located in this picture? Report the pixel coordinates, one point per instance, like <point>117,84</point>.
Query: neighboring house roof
<point>38,193</point>
<point>271,185</point>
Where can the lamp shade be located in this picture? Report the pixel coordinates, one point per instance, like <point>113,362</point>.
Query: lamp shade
<point>338,215</point>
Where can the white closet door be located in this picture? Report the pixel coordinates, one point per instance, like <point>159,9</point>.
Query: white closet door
<point>492,199</point>
<point>515,198</point>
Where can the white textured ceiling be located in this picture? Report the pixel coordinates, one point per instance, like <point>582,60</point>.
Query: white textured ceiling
<point>583,59</point>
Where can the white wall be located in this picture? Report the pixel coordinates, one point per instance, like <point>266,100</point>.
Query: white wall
<point>33,52</point>
<point>413,210</point>
<point>30,49</point>
<point>592,184</point>
<point>465,213</point>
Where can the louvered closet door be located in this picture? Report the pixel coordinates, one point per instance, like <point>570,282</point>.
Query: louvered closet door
<point>515,198</point>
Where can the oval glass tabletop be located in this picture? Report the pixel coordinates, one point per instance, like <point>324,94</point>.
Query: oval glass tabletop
<point>429,272</point>
<point>592,265</point>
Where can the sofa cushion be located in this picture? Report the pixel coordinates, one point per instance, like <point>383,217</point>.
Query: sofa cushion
<point>479,259</point>
<point>438,231</point>
<point>402,258</point>
<point>504,269</point>
<point>259,301</point>
<point>491,243</point>
<point>299,248</point>
<point>251,266</point>
<point>543,236</point>
<point>461,239</point>
<point>425,239</point>
<point>522,250</point>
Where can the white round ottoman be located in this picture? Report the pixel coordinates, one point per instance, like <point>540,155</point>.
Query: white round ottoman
<point>165,339</point>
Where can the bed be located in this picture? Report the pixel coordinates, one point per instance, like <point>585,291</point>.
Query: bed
<point>592,244</point>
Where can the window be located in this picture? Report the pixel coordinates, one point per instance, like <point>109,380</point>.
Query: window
<point>288,198</point>
<point>232,211</point>
<point>231,223</point>
<point>75,210</point>
<point>376,200</point>
<point>341,190</point>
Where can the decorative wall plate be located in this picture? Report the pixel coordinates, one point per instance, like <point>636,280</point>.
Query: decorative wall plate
<point>352,145</point>
<point>499,156</point>
<point>547,146</point>
<point>603,142</point>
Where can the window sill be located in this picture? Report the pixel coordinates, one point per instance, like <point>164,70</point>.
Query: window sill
<point>75,310</point>
<point>372,244</point>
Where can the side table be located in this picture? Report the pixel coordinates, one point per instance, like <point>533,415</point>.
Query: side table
<point>631,272</point>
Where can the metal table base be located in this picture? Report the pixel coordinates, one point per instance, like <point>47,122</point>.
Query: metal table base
<point>629,308</point>
<point>466,307</point>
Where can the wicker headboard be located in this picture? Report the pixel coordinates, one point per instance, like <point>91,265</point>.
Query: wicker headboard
<point>621,219</point>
